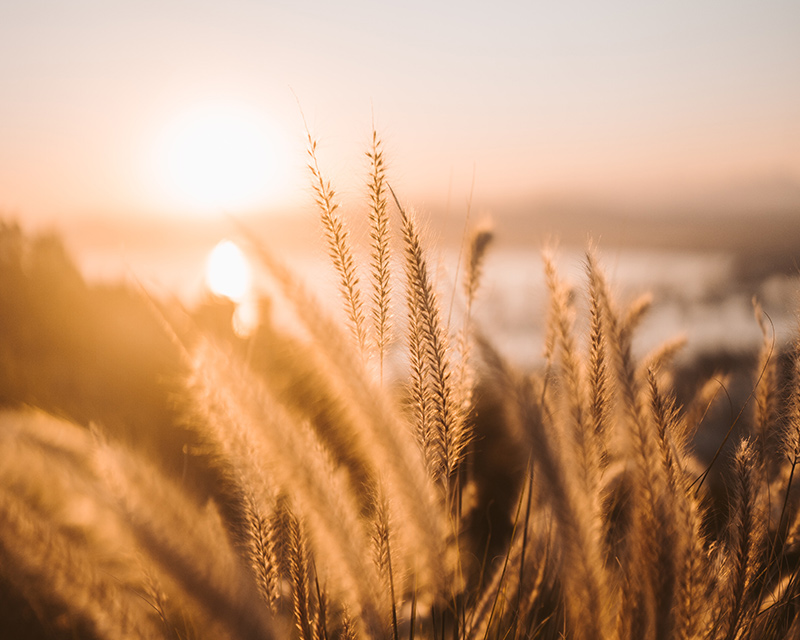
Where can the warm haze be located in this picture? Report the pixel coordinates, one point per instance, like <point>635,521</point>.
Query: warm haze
<point>616,100</point>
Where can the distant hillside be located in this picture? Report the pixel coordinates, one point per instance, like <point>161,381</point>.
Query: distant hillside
<point>739,232</point>
<point>749,218</point>
<point>759,223</point>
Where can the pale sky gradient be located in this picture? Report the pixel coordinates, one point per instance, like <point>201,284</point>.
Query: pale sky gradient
<point>621,99</point>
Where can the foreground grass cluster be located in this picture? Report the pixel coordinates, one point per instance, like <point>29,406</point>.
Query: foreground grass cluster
<point>329,500</point>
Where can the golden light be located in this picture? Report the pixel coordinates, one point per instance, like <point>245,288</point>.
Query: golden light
<point>228,272</point>
<point>228,275</point>
<point>217,157</point>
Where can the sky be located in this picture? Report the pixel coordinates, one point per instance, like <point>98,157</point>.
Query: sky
<point>507,101</point>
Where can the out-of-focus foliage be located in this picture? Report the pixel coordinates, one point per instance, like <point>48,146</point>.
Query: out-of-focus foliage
<point>89,353</point>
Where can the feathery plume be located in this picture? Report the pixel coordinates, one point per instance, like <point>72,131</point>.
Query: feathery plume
<point>448,433</point>
<point>380,255</point>
<point>339,249</point>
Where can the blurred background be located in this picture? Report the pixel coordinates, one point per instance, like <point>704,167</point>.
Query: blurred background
<point>144,133</point>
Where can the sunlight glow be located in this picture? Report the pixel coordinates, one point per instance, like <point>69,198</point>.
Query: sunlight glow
<point>217,157</point>
<point>228,273</point>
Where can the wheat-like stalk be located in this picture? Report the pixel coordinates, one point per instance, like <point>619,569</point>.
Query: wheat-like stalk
<point>339,249</point>
<point>448,435</point>
<point>573,396</point>
<point>297,559</point>
<point>766,396</point>
<point>477,249</point>
<point>600,399</point>
<point>747,535</point>
<point>382,552</point>
<point>380,256</point>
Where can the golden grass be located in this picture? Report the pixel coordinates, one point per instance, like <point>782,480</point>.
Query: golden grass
<point>337,502</point>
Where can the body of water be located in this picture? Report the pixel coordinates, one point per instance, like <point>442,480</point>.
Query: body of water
<point>701,295</point>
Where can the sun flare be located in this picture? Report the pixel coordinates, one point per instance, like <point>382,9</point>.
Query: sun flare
<point>217,157</point>
<point>228,273</point>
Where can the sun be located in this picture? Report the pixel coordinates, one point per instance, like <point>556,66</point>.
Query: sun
<point>217,157</point>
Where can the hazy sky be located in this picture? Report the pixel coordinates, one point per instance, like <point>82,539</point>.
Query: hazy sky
<point>604,98</point>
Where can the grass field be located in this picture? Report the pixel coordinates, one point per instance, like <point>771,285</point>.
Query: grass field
<point>369,473</point>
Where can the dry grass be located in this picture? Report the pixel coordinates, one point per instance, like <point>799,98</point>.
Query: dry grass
<point>338,502</point>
